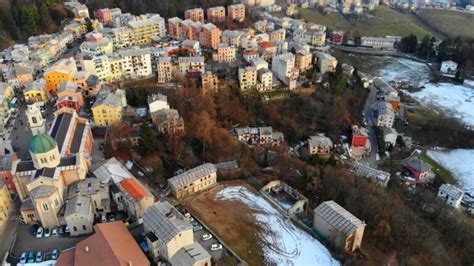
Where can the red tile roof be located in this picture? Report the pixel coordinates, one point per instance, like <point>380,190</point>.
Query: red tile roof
<point>266,44</point>
<point>111,245</point>
<point>134,188</point>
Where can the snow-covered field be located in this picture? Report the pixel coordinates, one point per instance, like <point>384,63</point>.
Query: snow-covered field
<point>460,162</point>
<point>284,242</point>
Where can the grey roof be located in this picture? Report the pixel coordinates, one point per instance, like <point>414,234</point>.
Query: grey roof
<point>86,187</point>
<point>417,164</point>
<point>194,59</point>
<point>157,97</point>
<point>451,191</point>
<point>165,221</point>
<point>338,217</point>
<point>192,175</point>
<point>27,205</point>
<point>320,140</point>
<point>42,191</point>
<point>224,166</point>
<point>111,97</point>
<point>78,205</point>
<point>189,255</point>
<point>112,169</point>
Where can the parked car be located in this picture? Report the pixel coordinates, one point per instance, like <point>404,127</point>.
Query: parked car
<point>215,247</point>
<point>197,228</point>
<point>33,229</point>
<point>194,223</point>
<point>187,215</point>
<point>66,230</point>
<point>23,257</point>
<point>39,256</point>
<point>55,254</point>
<point>206,237</point>
<point>103,218</point>
<point>61,231</point>
<point>111,218</point>
<point>31,257</point>
<point>47,232</point>
<point>54,232</point>
<point>39,232</point>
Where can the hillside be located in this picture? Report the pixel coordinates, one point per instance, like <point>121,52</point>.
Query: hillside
<point>383,21</point>
<point>450,22</point>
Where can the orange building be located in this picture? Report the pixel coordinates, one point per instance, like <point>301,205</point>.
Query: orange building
<point>236,12</point>
<point>195,14</point>
<point>59,73</point>
<point>210,35</point>
<point>216,14</point>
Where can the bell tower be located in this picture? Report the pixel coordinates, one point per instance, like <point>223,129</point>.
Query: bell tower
<point>37,123</point>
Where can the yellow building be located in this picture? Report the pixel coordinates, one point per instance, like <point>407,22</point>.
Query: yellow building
<point>59,73</point>
<point>6,205</point>
<point>36,91</point>
<point>108,107</point>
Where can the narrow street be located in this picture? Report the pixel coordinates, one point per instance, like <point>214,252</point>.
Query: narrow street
<point>371,160</point>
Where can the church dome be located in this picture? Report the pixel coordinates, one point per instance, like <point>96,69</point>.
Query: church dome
<point>42,143</point>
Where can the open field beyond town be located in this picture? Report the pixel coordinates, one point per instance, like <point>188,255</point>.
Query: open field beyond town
<point>451,23</point>
<point>255,229</point>
<point>384,21</point>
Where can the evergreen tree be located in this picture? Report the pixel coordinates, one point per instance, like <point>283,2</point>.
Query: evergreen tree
<point>147,139</point>
<point>28,19</point>
<point>44,18</point>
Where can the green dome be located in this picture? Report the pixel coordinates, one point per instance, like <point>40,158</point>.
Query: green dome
<point>42,143</point>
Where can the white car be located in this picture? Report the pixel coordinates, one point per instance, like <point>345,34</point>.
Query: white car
<point>206,237</point>
<point>47,232</point>
<point>54,232</point>
<point>103,218</point>
<point>23,257</point>
<point>215,247</point>
<point>39,232</point>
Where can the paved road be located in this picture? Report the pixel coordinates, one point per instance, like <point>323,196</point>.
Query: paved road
<point>8,235</point>
<point>371,160</point>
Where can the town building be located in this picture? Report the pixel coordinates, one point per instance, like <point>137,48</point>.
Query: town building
<point>6,205</point>
<point>216,14</point>
<point>283,66</point>
<point>247,78</point>
<point>95,191</point>
<point>232,37</point>
<point>157,102</point>
<point>312,37</point>
<point>267,50</point>
<point>265,80</point>
<point>79,216</point>
<point>259,63</point>
<point>170,237</point>
<point>35,118</point>
<point>288,200</point>
<point>164,69</point>
<point>248,55</point>
<point>449,67</point>
<point>375,175</point>
<point>319,145</point>
<point>168,121</point>
<point>130,195</point>
<point>383,43</point>
<point>303,61</point>
<point>111,244</point>
<point>451,194</point>
<point>191,64</point>
<point>338,226</point>
<point>58,159</point>
<point>209,83</point>
<point>417,168</point>
<point>260,3</point>
<point>390,136</point>
<point>210,35</point>
<point>225,53</point>
<point>96,43</point>
<point>59,73</point>
<point>138,31</point>
<point>79,10</point>
<point>384,114</point>
<point>195,14</point>
<point>70,89</point>
<point>236,12</point>
<point>108,106</point>
<point>107,15</point>
<point>278,35</point>
<point>192,181</point>
<point>23,73</point>
<point>258,135</point>
<point>36,91</point>
<point>6,160</point>
<point>337,37</point>
<point>326,62</point>
<point>7,96</point>
<point>360,144</point>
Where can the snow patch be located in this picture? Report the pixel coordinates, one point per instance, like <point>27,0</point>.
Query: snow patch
<point>460,162</point>
<point>284,242</point>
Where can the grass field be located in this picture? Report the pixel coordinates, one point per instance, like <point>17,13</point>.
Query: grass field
<point>449,22</point>
<point>383,21</point>
<point>440,171</point>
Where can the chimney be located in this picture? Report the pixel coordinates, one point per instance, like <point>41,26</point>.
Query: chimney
<point>130,263</point>
<point>87,248</point>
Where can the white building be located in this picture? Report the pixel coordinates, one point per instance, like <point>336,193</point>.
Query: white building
<point>157,102</point>
<point>449,67</point>
<point>191,64</point>
<point>451,194</point>
<point>384,43</point>
<point>326,62</point>
<point>384,113</point>
<point>164,69</point>
<point>283,66</point>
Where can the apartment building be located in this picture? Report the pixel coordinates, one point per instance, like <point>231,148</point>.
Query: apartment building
<point>236,12</point>
<point>231,37</point>
<point>248,78</point>
<point>451,194</point>
<point>170,236</point>
<point>79,10</point>
<point>283,66</point>
<point>164,69</point>
<point>304,61</point>
<point>258,135</point>
<point>195,14</point>
<point>96,43</point>
<point>267,50</point>
<point>6,175</point>
<point>36,91</point>
<point>210,35</point>
<point>224,53</point>
<point>6,97</point>
<point>59,73</point>
<point>138,31</point>
<point>326,62</point>
<point>107,15</point>
<point>341,228</point>
<point>191,64</point>
<point>319,145</point>
<point>6,205</point>
<point>278,35</point>
<point>168,121</point>
<point>209,82</point>
<point>384,43</point>
<point>174,26</point>
<point>108,106</point>
<point>157,102</point>
<point>216,14</point>
<point>265,80</point>
<point>194,180</point>
<point>384,114</point>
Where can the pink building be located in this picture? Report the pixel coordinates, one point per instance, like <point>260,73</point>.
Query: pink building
<point>236,12</point>
<point>210,35</point>
<point>195,14</point>
<point>216,14</point>
<point>174,25</point>
<point>106,15</point>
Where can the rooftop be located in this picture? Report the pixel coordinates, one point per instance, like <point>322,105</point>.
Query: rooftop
<point>134,189</point>
<point>189,255</point>
<point>338,217</point>
<point>192,175</point>
<point>165,221</point>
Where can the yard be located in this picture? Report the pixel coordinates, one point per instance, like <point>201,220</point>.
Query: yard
<point>383,21</point>
<point>254,228</point>
<point>450,22</point>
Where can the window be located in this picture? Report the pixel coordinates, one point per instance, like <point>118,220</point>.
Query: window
<point>75,229</point>
<point>84,228</point>
<point>45,206</point>
<point>34,120</point>
<point>56,202</point>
